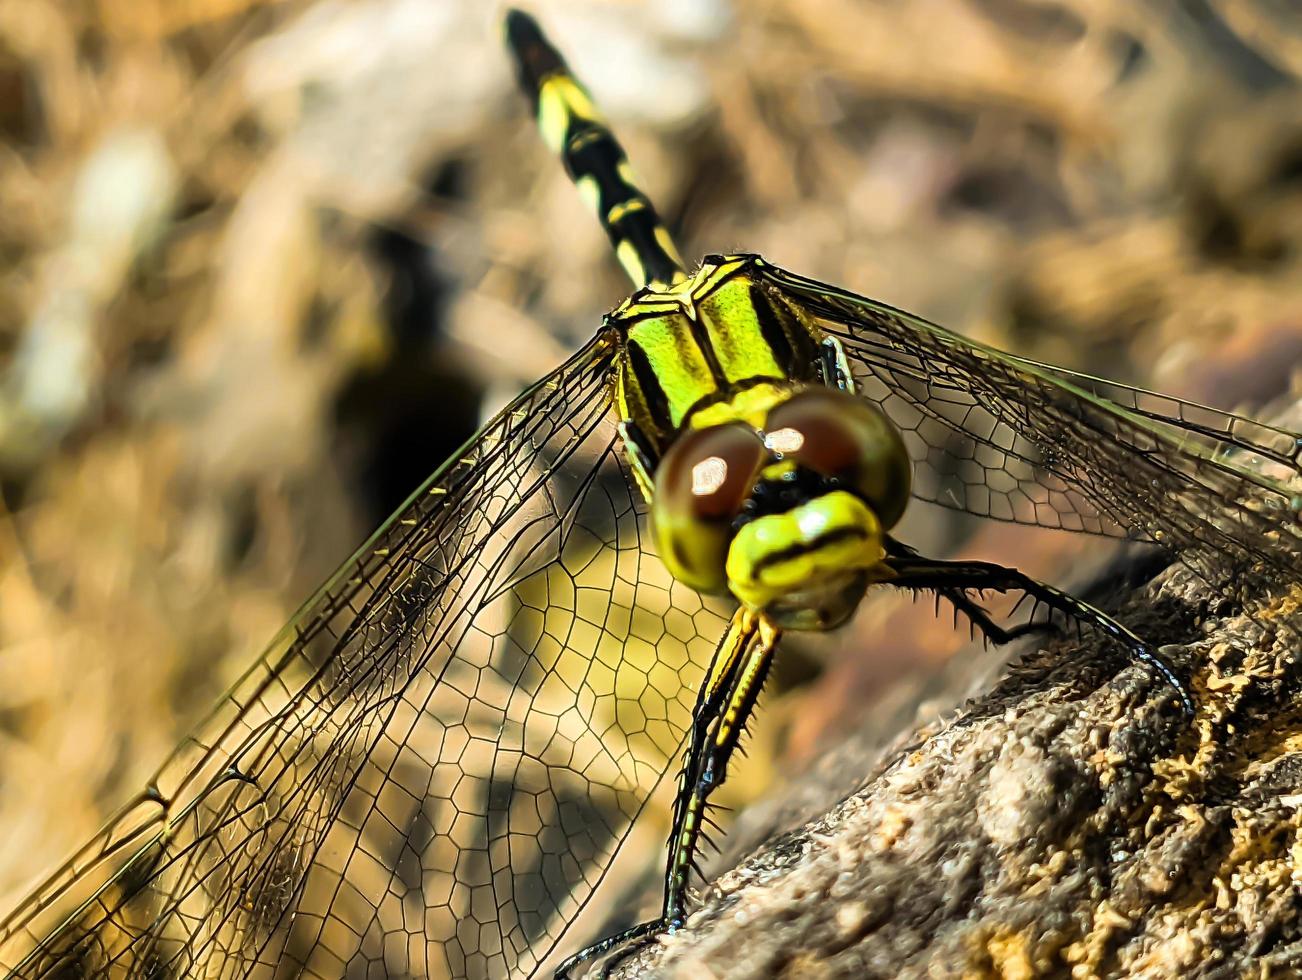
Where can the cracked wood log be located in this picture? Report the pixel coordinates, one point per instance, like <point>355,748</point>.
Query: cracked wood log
<point>1068,822</point>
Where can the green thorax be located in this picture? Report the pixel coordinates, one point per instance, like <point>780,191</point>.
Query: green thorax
<point>719,345</point>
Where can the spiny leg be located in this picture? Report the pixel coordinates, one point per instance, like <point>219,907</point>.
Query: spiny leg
<point>737,672</point>
<point>575,130</point>
<point>973,611</point>
<point>724,709</point>
<point>987,627</point>
<point>910,570</point>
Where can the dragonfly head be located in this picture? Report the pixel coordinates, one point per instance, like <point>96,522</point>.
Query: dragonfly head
<point>789,517</point>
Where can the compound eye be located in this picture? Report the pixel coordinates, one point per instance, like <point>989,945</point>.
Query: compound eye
<point>700,486</point>
<point>841,436</point>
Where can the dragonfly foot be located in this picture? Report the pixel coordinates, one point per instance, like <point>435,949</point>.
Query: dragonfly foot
<point>956,579</point>
<point>622,945</point>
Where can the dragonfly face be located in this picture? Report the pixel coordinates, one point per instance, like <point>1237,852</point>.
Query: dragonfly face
<point>764,482</point>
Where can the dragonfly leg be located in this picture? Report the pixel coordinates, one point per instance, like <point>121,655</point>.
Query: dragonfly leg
<point>907,569</point>
<point>972,610</point>
<point>741,663</point>
<point>992,631</point>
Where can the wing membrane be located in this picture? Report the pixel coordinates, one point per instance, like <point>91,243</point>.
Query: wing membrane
<point>1013,439</point>
<point>427,773</point>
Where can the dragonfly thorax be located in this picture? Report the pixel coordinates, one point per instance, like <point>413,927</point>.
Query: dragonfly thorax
<point>716,345</point>
<point>787,515</point>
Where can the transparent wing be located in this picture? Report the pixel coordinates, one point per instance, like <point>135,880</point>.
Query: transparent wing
<point>1013,439</point>
<point>428,771</point>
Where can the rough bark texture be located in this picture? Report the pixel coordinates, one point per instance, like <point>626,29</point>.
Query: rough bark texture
<point>1069,822</point>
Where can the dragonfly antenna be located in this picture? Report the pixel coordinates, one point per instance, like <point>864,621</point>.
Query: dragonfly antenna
<point>577,132</point>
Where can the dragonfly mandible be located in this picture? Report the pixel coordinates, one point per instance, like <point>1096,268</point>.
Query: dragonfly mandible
<point>430,770</point>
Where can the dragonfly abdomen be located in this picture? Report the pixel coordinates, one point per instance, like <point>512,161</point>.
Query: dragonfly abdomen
<point>595,161</point>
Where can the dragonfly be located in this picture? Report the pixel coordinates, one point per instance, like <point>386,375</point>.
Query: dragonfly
<point>431,769</point>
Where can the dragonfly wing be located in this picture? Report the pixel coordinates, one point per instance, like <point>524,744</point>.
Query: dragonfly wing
<point>430,769</point>
<point>1009,438</point>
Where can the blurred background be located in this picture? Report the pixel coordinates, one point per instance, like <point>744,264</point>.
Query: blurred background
<point>264,264</point>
